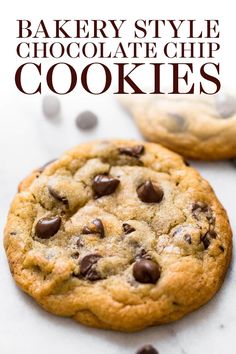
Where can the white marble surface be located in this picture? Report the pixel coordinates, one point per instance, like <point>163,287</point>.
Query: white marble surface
<point>28,140</point>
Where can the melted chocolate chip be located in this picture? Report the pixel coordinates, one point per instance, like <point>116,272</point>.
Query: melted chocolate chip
<point>147,349</point>
<point>42,168</point>
<point>188,238</point>
<point>47,227</point>
<point>87,267</point>
<point>200,206</point>
<point>104,185</point>
<point>146,271</point>
<point>221,248</point>
<point>75,255</point>
<point>57,196</point>
<point>128,228</point>
<point>206,239</point>
<point>150,193</point>
<point>96,228</point>
<point>178,123</point>
<point>134,151</point>
<point>79,243</point>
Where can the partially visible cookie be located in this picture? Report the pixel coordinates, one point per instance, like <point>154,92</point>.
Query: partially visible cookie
<point>118,234</point>
<point>198,127</point>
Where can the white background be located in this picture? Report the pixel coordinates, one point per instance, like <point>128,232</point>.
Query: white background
<point>28,140</point>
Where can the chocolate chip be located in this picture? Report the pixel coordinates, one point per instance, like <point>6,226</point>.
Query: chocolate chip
<point>226,105</point>
<point>178,123</point>
<point>47,227</point>
<point>104,185</point>
<point>188,238</point>
<point>134,151</point>
<point>221,248</point>
<point>128,228</point>
<point>13,233</point>
<point>75,255</point>
<point>96,228</point>
<point>200,206</point>
<point>51,106</point>
<point>150,193</point>
<point>142,254</point>
<point>146,271</point>
<point>57,196</point>
<point>147,349</point>
<point>86,120</point>
<point>79,243</point>
<point>206,239</point>
<point>42,168</point>
<point>87,267</point>
<point>186,163</point>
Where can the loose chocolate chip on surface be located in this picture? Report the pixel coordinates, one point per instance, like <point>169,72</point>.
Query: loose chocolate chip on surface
<point>226,105</point>
<point>146,271</point>
<point>47,227</point>
<point>147,349</point>
<point>96,228</point>
<point>86,120</point>
<point>128,228</point>
<point>51,106</point>
<point>188,238</point>
<point>134,151</point>
<point>150,193</point>
<point>104,185</point>
<point>87,266</point>
<point>57,196</point>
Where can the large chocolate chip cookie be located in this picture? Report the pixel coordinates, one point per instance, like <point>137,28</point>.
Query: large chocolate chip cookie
<point>118,234</point>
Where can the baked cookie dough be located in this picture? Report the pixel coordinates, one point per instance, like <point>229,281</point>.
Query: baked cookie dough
<point>198,127</point>
<point>118,234</point>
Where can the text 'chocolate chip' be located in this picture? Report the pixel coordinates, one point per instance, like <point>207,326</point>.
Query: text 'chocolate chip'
<point>146,271</point>
<point>104,185</point>
<point>47,227</point>
<point>150,193</point>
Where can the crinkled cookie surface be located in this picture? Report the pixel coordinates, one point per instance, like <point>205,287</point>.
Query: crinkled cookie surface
<point>118,234</point>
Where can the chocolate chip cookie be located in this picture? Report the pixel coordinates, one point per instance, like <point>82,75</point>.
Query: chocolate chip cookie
<point>198,127</point>
<point>118,234</point>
